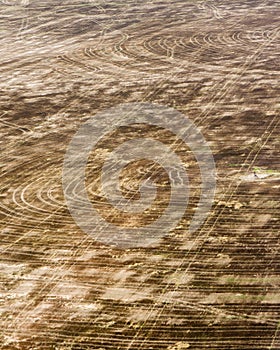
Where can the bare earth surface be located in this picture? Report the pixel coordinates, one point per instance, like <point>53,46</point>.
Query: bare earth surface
<point>217,62</point>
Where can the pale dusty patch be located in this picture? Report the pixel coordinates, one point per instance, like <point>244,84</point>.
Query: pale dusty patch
<point>190,245</point>
<point>179,278</point>
<point>69,290</point>
<point>125,294</point>
<point>262,219</point>
<point>223,259</point>
<point>122,275</point>
<point>179,346</point>
<point>23,289</point>
<point>9,269</point>
<point>171,297</point>
<point>272,298</point>
<point>142,315</point>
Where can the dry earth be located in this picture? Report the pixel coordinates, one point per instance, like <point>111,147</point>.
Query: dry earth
<point>215,61</point>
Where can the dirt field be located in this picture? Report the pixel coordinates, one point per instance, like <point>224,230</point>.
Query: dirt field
<point>217,62</point>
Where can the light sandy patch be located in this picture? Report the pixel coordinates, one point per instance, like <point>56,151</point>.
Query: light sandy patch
<point>125,294</point>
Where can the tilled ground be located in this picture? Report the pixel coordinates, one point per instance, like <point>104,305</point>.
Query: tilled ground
<point>217,62</point>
